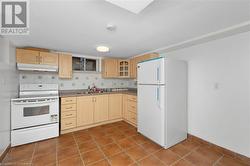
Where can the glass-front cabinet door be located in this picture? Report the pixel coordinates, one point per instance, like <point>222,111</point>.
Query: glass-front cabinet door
<point>124,68</point>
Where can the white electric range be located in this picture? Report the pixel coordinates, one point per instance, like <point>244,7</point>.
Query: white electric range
<point>35,114</point>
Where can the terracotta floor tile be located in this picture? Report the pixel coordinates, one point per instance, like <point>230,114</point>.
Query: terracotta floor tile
<point>49,158</point>
<point>92,156</point>
<point>101,163</point>
<point>130,132</point>
<point>87,146</point>
<point>111,131</point>
<point>126,143</point>
<point>209,154</point>
<point>167,156</point>
<point>139,139</point>
<point>197,159</point>
<point>183,163</point>
<point>180,150</point>
<point>67,152</point>
<point>20,154</point>
<point>81,133</point>
<point>111,149</point>
<point>104,140</point>
<point>75,161</point>
<point>190,145</point>
<point>137,153</point>
<point>120,159</point>
<point>83,139</point>
<point>151,147</point>
<point>118,136</point>
<point>45,147</point>
<point>65,138</point>
<point>22,148</point>
<point>151,161</point>
<point>228,161</point>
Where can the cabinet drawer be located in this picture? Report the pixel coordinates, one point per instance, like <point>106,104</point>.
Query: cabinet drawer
<point>68,107</point>
<point>132,106</point>
<point>68,100</point>
<point>68,114</point>
<point>132,117</point>
<point>132,98</point>
<point>68,123</point>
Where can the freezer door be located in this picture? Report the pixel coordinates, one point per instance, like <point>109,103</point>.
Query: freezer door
<point>151,72</point>
<point>151,114</point>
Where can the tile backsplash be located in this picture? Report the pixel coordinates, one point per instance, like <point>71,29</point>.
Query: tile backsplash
<point>80,80</point>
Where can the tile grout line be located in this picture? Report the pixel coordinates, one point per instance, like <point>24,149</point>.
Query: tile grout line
<point>99,148</point>
<point>78,149</point>
<point>33,154</point>
<point>57,163</point>
<point>218,160</point>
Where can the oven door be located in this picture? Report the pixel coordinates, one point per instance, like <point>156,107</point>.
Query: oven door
<point>34,112</point>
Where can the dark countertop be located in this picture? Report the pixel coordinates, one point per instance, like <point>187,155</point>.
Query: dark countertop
<point>83,92</point>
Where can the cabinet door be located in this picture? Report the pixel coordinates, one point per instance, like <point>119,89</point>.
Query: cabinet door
<point>65,66</point>
<point>101,108</point>
<point>85,110</point>
<point>27,56</point>
<point>115,106</point>
<point>48,58</point>
<point>133,66</point>
<point>110,68</point>
<point>125,106</point>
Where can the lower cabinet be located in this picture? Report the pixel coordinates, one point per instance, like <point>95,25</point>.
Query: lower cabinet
<point>101,108</point>
<point>115,106</point>
<point>86,111</point>
<point>130,109</point>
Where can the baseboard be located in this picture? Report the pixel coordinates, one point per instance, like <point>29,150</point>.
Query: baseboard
<point>221,149</point>
<point>89,126</point>
<point>4,153</point>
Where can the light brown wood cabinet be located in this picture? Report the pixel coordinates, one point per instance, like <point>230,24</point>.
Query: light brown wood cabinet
<point>124,68</point>
<point>130,110</point>
<point>68,113</point>
<point>101,108</point>
<point>85,110</point>
<point>36,57</point>
<point>134,61</point>
<point>115,106</point>
<point>27,56</point>
<point>65,66</point>
<point>109,68</point>
<point>48,58</point>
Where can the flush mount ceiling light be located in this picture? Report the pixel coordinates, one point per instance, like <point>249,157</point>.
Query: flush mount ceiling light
<point>102,49</point>
<point>135,6</point>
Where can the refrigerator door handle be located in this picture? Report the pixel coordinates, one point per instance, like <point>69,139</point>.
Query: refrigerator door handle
<point>158,74</point>
<point>158,96</point>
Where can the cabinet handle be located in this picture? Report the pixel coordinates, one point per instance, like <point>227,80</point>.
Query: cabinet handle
<point>68,107</point>
<point>69,115</point>
<point>68,123</point>
<point>68,100</point>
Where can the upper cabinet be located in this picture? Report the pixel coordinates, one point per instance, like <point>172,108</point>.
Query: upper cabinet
<point>109,68</point>
<point>48,58</point>
<point>134,61</point>
<point>124,68</point>
<point>25,56</point>
<point>65,66</point>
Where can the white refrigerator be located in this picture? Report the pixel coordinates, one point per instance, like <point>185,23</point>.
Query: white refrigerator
<point>162,100</point>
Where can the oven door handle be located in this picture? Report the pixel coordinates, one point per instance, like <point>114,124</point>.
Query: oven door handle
<point>33,102</point>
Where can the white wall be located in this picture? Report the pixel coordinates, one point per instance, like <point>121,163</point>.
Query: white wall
<point>8,89</point>
<point>219,91</point>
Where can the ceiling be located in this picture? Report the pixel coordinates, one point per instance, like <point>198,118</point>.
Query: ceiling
<point>79,26</point>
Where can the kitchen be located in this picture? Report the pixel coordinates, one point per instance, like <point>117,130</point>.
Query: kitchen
<point>131,102</point>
